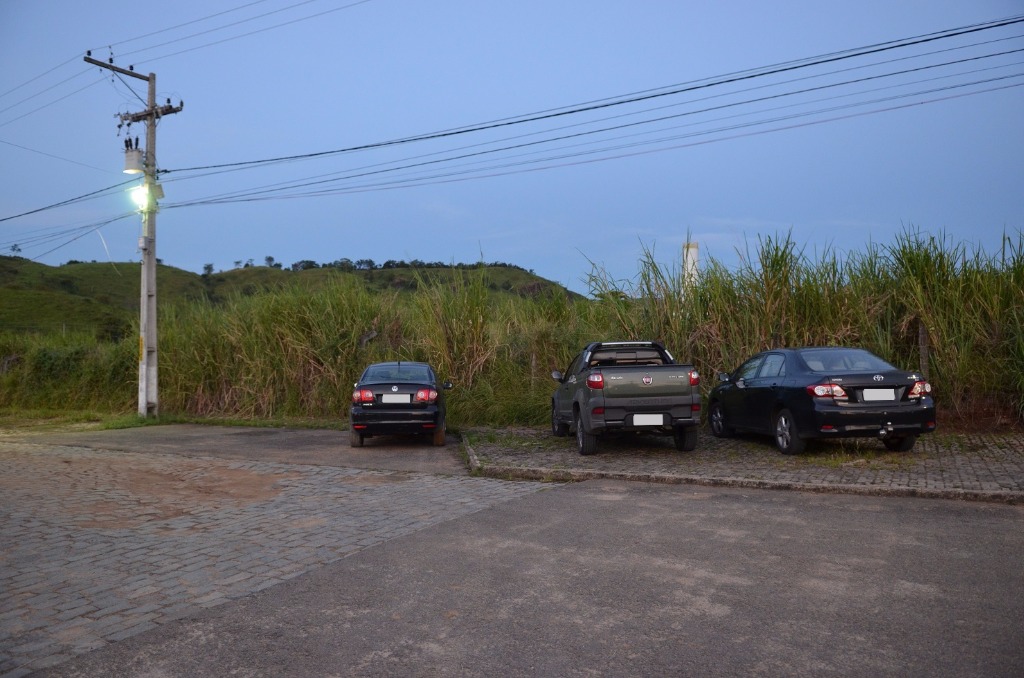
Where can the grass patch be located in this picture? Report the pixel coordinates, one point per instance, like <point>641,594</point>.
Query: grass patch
<point>855,452</point>
<point>523,440</point>
<point>39,420</point>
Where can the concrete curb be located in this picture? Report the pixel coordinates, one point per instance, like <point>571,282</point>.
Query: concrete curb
<point>565,476</point>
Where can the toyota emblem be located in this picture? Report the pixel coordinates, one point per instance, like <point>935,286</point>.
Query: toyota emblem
<point>878,377</point>
<point>647,380</point>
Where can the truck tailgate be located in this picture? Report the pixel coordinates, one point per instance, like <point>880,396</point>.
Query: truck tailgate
<point>646,383</point>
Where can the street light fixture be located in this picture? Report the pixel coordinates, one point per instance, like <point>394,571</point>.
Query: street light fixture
<point>140,196</point>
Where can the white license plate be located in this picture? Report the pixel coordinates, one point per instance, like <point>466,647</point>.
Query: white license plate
<point>395,398</point>
<point>879,394</point>
<point>648,419</point>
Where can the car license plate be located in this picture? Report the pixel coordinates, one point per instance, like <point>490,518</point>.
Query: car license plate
<point>874,394</point>
<point>395,398</point>
<point>648,419</point>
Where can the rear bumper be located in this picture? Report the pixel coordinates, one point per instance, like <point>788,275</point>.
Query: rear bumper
<point>876,422</point>
<point>618,419</point>
<point>385,422</point>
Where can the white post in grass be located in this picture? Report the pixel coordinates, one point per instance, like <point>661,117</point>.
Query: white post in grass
<point>690,256</point>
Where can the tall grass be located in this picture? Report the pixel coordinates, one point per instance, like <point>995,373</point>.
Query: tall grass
<point>294,352</point>
<point>72,371</point>
<point>291,352</point>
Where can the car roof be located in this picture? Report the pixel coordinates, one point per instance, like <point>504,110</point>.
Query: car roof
<point>797,349</point>
<point>397,363</point>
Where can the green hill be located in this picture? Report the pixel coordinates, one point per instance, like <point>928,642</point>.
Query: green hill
<point>103,298</point>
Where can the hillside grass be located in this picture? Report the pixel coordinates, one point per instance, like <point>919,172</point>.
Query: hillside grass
<point>272,350</point>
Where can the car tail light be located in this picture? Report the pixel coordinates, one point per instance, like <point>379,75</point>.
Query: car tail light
<point>827,391</point>
<point>598,411</point>
<point>426,395</point>
<point>362,395</point>
<point>595,380</point>
<point>920,388</point>
<point>694,378</point>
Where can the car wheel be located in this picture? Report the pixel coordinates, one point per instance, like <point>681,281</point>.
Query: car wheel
<point>787,438</point>
<point>586,443</point>
<point>716,419</point>
<point>899,443</point>
<point>686,438</point>
<point>558,429</point>
<point>355,438</point>
<point>440,434</point>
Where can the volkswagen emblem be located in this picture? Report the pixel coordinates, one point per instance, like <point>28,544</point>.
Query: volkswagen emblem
<point>394,389</point>
<point>878,377</point>
<point>648,380</point>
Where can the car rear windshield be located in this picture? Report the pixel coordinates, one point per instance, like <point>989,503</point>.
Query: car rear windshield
<point>387,374</point>
<point>843,359</point>
<point>606,358</point>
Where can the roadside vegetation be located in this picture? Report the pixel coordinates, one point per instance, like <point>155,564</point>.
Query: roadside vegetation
<point>292,351</point>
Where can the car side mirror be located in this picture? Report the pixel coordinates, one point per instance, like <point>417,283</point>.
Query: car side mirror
<point>724,377</point>
<point>447,385</point>
<point>557,376</point>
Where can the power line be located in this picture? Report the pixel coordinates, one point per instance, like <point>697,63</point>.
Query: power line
<point>635,98</point>
<point>291,185</point>
<point>69,201</point>
<point>144,49</point>
<point>433,179</point>
<point>509,164</point>
<point>50,155</point>
<point>243,35</point>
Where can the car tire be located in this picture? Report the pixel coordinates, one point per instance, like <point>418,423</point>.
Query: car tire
<point>787,437</point>
<point>586,443</point>
<point>355,438</point>
<point>559,429</point>
<point>900,443</point>
<point>686,438</point>
<point>440,434</point>
<point>716,420</point>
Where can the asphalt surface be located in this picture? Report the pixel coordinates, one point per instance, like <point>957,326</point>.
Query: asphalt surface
<point>185,550</point>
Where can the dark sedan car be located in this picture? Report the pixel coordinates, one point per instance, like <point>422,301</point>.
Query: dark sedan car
<point>800,393</point>
<point>397,397</point>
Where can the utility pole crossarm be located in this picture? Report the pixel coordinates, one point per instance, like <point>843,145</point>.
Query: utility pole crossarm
<point>112,67</point>
<point>157,112</point>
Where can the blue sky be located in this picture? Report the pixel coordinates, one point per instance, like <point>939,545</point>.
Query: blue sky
<point>840,154</point>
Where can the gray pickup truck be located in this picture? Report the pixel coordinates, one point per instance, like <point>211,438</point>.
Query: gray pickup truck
<point>626,386</point>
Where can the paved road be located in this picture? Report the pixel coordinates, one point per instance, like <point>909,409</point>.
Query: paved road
<point>123,559</point>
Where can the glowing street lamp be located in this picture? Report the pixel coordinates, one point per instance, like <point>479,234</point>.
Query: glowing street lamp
<point>140,196</point>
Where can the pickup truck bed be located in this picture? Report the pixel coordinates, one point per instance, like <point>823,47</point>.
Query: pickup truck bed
<point>626,386</point>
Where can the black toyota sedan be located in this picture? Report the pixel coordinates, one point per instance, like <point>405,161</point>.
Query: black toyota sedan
<point>397,397</point>
<point>798,393</point>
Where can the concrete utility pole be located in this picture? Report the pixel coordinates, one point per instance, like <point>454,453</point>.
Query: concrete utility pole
<point>148,401</point>
<point>690,263</point>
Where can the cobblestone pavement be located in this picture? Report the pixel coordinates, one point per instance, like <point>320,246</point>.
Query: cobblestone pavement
<point>985,467</point>
<point>97,546</point>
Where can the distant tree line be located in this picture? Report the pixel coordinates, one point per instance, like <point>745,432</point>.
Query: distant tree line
<point>364,265</point>
<point>347,265</point>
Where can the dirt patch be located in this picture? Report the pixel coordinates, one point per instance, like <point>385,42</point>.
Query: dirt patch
<point>116,490</point>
